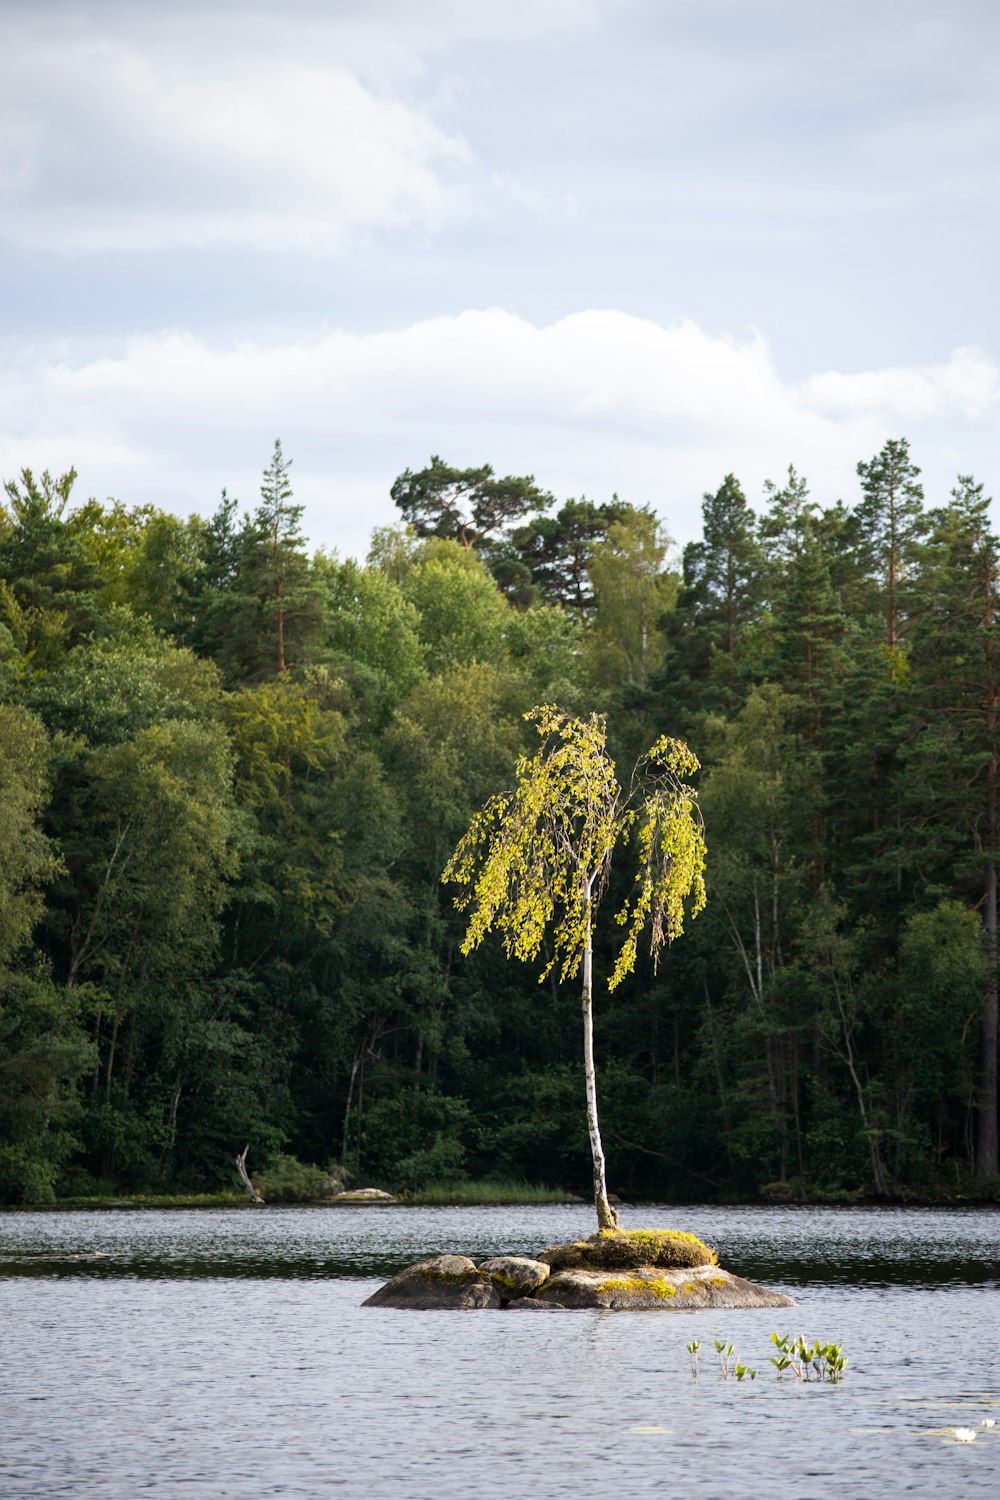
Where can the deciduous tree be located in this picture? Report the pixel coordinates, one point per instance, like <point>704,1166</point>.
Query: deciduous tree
<point>535,863</point>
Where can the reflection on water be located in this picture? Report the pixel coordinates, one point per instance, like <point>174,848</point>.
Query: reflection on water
<point>222,1353</point>
<point>795,1245</point>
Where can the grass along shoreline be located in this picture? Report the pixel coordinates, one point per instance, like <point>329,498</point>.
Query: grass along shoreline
<point>458,1194</point>
<point>442,1195</point>
<point>498,1194</point>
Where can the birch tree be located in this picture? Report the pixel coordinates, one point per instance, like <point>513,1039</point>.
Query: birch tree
<point>535,863</point>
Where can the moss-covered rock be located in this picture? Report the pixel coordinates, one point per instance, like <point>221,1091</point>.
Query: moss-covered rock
<point>656,1288</point>
<point>515,1275</point>
<point>660,1269</point>
<point>444,1281</point>
<point>620,1249</point>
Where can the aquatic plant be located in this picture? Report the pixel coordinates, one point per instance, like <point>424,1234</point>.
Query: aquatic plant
<point>736,1369</point>
<point>807,1361</point>
<point>816,1361</point>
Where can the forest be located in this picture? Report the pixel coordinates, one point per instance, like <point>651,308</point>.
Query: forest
<point>233,769</point>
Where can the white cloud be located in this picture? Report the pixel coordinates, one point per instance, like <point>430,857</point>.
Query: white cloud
<point>109,149</point>
<point>968,386</point>
<point>596,402</point>
<point>233,126</point>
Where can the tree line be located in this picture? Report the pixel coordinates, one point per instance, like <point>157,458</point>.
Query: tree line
<point>233,769</point>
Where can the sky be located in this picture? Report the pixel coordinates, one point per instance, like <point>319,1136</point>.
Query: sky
<point>626,246</point>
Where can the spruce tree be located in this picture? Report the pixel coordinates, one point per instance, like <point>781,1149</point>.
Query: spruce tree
<point>720,599</point>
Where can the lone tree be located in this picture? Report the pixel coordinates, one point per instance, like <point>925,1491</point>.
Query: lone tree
<point>536,861</point>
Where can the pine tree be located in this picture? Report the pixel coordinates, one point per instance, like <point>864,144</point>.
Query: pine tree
<point>890,522</point>
<point>478,510</point>
<point>559,549</point>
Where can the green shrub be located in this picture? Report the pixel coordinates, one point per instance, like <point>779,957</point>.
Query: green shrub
<point>287,1180</point>
<point>442,1161</point>
<point>26,1176</point>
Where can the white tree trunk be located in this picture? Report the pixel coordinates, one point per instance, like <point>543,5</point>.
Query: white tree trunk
<point>606,1216</point>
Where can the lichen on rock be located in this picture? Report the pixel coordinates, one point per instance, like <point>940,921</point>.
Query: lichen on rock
<point>651,1287</point>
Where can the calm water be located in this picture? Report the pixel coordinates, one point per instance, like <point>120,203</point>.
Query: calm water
<point>221,1353</point>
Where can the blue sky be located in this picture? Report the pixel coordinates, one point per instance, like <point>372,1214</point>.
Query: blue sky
<point>625,245</point>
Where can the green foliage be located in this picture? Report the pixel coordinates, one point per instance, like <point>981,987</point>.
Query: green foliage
<point>633,590</point>
<point>260,598</point>
<point>375,631</point>
<point>559,551</point>
<point>544,645</point>
<point>287,1180</point>
<point>105,691</point>
<point>943,969</point>
<point>462,615</point>
<point>448,745</point>
<point>27,858</point>
<point>729,1362</point>
<point>816,1361</point>
<point>889,522</point>
<point>231,771</point>
<point>51,583</point>
<point>535,861</point>
<point>471,507</point>
<point>416,1139</point>
<point>710,633</point>
<point>43,1055</point>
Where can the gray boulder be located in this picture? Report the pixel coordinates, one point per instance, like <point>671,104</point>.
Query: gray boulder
<point>444,1281</point>
<point>361,1195</point>
<point>515,1275</point>
<point>656,1287</point>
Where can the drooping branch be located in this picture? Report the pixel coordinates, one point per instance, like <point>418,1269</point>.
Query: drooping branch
<point>535,863</point>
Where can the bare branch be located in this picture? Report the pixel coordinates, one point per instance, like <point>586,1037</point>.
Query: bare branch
<point>241,1167</point>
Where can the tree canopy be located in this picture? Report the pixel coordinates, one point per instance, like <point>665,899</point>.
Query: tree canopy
<point>233,768</point>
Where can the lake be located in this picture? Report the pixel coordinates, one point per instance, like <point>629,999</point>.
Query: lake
<point>224,1353</point>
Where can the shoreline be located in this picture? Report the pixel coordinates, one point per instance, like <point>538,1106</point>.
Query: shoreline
<point>137,1204</point>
